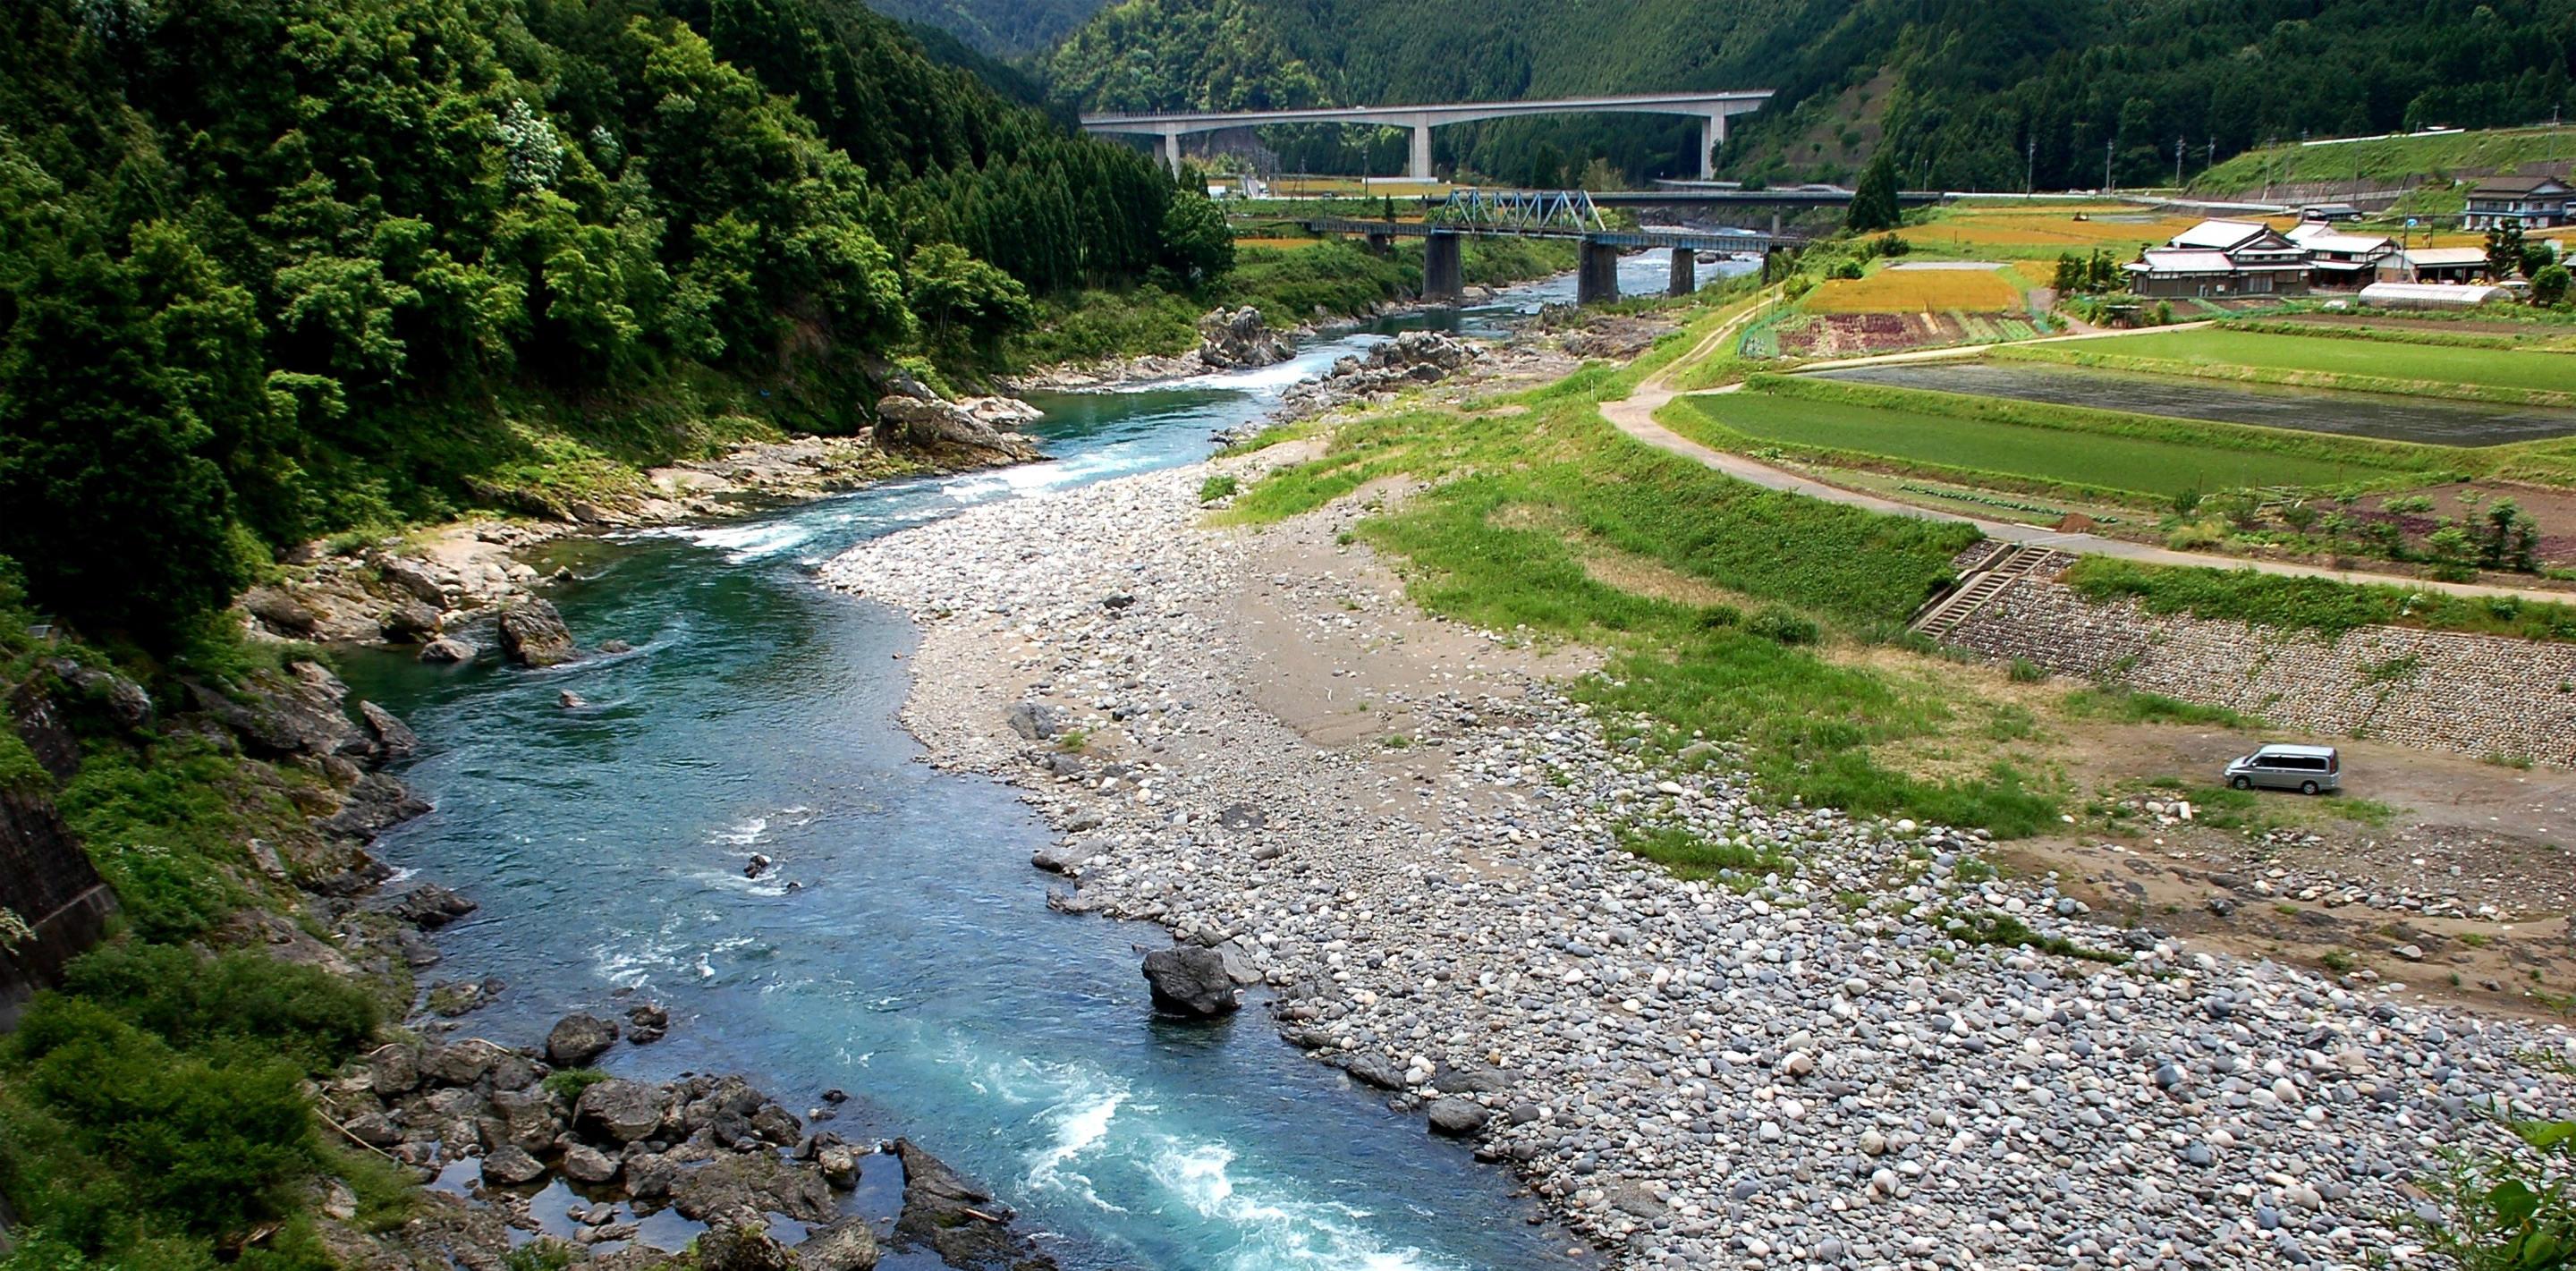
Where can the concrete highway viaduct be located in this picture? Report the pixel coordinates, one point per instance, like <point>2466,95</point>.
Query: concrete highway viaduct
<point>1711,109</point>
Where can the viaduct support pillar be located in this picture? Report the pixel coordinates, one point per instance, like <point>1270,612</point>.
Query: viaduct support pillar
<point>1420,168</point>
<point>1775,222</point>
<point>1172,153</point>
<point>1712,134</point>
<point>1443,276</point>
<point>1685,278</point>
<point>1596,275</point>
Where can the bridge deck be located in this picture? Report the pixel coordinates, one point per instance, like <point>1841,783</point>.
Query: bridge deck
<point>1687,240</point>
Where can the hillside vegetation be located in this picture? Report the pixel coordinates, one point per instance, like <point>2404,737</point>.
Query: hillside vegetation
<point>1958,92</point>
<point>271,269</point>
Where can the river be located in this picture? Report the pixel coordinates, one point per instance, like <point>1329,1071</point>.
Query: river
<point>901,947</point>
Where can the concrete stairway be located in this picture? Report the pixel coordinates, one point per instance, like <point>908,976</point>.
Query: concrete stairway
<point>2003,565</point>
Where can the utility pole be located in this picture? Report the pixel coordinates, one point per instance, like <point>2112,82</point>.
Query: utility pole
<point>2177,161</point>
<point>2106,163</point>
<point>2030,167</point>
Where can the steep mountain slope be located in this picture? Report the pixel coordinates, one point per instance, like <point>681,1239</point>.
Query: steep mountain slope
<point>1982,93</point>
<point>998,28</point>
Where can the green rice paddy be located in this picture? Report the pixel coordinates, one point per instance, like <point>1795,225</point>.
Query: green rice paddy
<point>2058,456</point>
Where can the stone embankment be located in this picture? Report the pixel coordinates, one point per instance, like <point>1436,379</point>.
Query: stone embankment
<point>1858,1045</point>
<point>2471,694</point>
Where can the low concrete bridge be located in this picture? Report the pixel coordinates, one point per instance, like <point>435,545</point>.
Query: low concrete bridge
<point>1712,109</point>
<point>1560,214</point>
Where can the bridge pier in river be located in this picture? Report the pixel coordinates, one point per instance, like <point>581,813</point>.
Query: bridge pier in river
<point>1685,277</point>
<point>1444,275</point>
<point>1596,273</point>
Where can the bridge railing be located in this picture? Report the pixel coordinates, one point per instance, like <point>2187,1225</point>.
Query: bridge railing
<point>1469,207</point>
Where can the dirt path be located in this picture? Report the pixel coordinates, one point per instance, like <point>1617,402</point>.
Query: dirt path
<point>1635,416</point>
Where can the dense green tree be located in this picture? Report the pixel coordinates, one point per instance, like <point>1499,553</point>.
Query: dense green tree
<point>959,297</point>
<point>1874,205</point>
<point>2504,251</point>
<point>2549,286</point>
<point>1197,242</point>
<point>120,380</point>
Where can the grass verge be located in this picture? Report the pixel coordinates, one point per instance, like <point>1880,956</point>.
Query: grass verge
<point>1809,724</point>
<point>2322,605</point>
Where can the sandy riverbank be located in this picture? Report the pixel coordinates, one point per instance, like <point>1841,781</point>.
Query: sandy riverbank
<point>1809,1069</point>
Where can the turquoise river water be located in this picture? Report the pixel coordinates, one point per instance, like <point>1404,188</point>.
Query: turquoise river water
<point>915,963</point>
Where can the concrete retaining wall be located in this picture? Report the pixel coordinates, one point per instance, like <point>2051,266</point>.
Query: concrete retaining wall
<point>47,881</point>
<point>2476,695</point>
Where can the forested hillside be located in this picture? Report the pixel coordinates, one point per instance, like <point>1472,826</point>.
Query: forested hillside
<point>1001,28</point>
<point>1959,91</point>
<point>271,269</point>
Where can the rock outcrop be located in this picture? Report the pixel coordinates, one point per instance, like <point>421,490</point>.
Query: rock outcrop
<point>1410,360</point>
<point>1238,340</point>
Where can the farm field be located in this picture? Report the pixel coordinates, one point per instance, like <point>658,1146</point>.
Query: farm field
<point>2503,368</point>
<point>2137,465</point>
<point>1916,291</point>
<point>2044,232</point>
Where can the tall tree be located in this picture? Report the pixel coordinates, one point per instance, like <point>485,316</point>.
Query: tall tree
<point>1874,205</point>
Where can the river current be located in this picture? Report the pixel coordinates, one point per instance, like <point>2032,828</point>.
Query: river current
<point>900,948</point>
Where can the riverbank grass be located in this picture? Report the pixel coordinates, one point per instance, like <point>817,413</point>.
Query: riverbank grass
<point>1519,502</point>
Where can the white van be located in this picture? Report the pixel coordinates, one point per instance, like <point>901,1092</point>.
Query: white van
<point>2306,769</point>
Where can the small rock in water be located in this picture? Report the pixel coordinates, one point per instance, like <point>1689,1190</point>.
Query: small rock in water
<point>616,646</point>
<point>646,1024</point>
<point>577,1039</point>
<point>447,649</point>
<point>570,700</point>
<point>756,866</point>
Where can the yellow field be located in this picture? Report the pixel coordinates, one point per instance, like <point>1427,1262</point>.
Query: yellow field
<point>2050,230</point>
<point>1916,291</point>
<point>2037,272</point>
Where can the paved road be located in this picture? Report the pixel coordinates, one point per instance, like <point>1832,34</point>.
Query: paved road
<point>1635,416</point>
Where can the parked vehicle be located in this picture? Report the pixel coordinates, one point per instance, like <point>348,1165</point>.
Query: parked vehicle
<point>2306,769</point>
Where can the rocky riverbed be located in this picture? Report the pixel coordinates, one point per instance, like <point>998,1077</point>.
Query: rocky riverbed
<point>1859,1044</point>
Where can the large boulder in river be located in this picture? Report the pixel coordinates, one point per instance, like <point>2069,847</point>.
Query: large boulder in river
<point>1190,980</point>
<point>1238,340</point>
<point>533,634</point>
<point>619,1111</point>
<point>577,1039</point>
<point>931,421</point>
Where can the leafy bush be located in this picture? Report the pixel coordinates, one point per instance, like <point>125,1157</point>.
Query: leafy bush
<point>1220,486</point>
<point>2025,671</point>
<point>2513,1210</point>
<point>1779,622</point>
<point>145,1137</point>
<point>301,1012</point>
